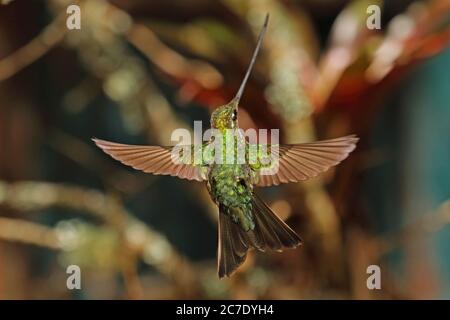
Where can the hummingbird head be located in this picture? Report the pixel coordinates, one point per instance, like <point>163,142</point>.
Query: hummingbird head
<point>225,117</point>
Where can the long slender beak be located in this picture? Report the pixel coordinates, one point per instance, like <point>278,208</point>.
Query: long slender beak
<point>238,95</point>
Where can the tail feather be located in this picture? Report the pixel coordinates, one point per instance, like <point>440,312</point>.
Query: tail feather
<point>277,234</point>
<point>232,246</point>
<point>270,232</point>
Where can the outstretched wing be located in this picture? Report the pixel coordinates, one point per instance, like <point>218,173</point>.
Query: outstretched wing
<point>155,159</point>
<point>299,162</point>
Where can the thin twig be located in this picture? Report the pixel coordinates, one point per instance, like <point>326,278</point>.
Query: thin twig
<point>17,230</point>
<point>426,225</point>
<point>35,49</point>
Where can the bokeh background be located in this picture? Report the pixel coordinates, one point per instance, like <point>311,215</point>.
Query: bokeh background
<point>139,69</point>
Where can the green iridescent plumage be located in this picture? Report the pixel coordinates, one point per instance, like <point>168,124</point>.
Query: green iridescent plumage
<point>229,186</point>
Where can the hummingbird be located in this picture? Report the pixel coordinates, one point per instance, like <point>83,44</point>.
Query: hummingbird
<point>245,221</point>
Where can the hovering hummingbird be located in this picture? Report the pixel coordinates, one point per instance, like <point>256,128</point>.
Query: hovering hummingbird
<point>245,221</point>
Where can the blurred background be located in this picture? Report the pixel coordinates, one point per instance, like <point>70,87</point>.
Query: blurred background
<point>139,69</point>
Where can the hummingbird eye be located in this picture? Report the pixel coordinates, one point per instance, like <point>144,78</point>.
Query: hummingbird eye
<point>234,115</point>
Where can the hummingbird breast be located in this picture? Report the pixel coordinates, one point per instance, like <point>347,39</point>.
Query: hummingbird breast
<point>230,187</point>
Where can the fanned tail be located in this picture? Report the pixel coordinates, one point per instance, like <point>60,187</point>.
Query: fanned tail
<point>270,232</point>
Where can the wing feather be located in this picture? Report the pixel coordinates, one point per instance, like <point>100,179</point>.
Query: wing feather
<point>298,162</point>
<point>152,159</point>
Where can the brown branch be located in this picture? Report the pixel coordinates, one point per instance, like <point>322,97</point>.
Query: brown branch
<point>5,2</point>
<point>17,230</point>
<point>152,247</point>
<point>35,49</point>
<point>166,59</point>
<point>172,62</point>
<point>426,225</point>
